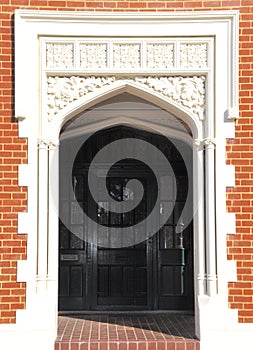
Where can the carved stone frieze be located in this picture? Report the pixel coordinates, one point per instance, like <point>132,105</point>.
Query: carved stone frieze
<point>160,56</point>
<point>126,56</point>
<point>93,55</point>
<point>189,92</point>
<point>63,90</point>
<point>59,55</point>
<point>194,55</point>
<point>141,54</point>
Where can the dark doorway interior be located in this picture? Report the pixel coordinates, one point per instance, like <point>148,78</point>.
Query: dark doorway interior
<point>156,273</point>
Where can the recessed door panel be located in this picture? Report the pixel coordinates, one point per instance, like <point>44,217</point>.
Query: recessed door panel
<point>72,284</point>
<point>174,255</point>
<point>122,273</point>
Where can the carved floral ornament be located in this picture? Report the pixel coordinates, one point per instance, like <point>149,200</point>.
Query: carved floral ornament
<point>193,55</point>
<point>81,54</point>
<point>110,56</point>
<point>187,92</point>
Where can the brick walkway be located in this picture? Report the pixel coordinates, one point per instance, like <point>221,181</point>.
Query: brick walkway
<point>126,332</point>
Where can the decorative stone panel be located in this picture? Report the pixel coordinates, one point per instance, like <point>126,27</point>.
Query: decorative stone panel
<point>160,56</point>
<point>109,54</point>
<point>188,92</point>
<point>60,55</point>
<point>126,56</point>
<point>93,55</point>
<point>194,55</point>
<point>63,90</point>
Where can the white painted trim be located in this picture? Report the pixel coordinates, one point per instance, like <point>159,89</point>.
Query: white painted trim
<point>38,321</point>
<point>80,17</point>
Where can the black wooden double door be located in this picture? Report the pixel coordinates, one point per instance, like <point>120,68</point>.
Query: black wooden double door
<point>102,270</point>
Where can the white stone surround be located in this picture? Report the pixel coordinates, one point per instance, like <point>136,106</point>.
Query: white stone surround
<point>185,63</point>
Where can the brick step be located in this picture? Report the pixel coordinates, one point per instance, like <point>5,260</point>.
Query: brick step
<point>128,332</point>
<point>125,345</point>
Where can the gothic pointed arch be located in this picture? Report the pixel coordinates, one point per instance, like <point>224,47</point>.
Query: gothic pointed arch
<point>157,94</point>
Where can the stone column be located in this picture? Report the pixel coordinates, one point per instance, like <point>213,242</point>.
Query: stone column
<point>199,218</point>
<point>42,229</point>
<point>210,217</point>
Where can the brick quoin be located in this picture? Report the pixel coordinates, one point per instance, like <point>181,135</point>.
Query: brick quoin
<point>13,151</point>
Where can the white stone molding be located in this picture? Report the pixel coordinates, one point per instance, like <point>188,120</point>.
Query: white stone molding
<point>230,223</point>
<point>22,270</point>
<point>230,271</point>
<point>232,113</point>
<point>230,175</point>
<point>23,174</point>
<point>23,222</point>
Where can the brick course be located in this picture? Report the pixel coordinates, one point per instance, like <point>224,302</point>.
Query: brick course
<point>13,150</point>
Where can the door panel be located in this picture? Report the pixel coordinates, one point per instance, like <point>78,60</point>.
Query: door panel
<point>121,272</point>
<point>175,285</point>
<point>72,252</point>
<point>72,285</point>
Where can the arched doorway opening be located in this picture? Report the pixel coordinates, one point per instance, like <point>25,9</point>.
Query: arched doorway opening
<point>96,272</point>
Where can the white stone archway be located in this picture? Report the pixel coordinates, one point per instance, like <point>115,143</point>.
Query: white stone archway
<point>205,280</point>
<point>197,83</point>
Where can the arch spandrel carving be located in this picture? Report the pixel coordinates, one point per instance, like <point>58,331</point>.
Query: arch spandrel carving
<point>115,87</point>
<point>186,92</point>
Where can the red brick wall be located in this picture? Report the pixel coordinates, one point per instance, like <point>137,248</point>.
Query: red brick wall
<point>13,149</point>
<point>12,198</point>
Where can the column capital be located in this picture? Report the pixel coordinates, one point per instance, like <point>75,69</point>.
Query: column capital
<point>42,144</point>
<point>52,145</point>
<point>47,144</point>
<point>205,143</point>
